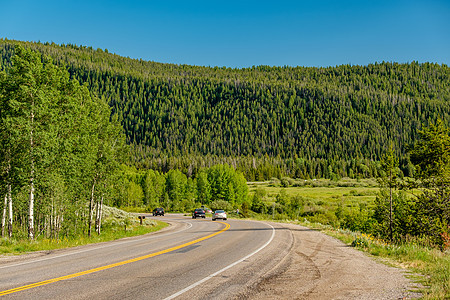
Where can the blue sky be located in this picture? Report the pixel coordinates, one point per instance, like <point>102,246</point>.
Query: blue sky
<point>241,33</point>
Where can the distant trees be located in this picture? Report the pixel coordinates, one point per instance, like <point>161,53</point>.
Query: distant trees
<point>176,185</point>
<point>220,185</point>
<point>203,188</point>
<point>153,188</point>
<point>227,184</point>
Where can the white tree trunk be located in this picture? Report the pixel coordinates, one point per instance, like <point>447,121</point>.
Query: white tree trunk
<point>31,210</point>
<point>98,223</point>
<point>8,204</point>
<point>31,207</point>
<point>390,204</point>
<point>91,206</point>
<point>10,214</point>
<point>52,220</point>
<point>4,215</point>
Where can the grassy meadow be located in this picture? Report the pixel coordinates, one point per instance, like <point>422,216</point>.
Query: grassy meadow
<point>350,191</point>
<point>320,199</point>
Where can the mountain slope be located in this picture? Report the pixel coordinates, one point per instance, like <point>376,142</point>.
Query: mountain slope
<point>335,113</point>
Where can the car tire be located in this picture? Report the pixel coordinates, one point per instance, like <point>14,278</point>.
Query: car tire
<point>225,219</point>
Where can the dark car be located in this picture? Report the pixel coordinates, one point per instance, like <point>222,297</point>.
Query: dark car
<point>158,211</point>
<point>198,213</point>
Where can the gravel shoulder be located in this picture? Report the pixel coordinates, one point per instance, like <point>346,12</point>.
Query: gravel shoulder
<point>321,267</point>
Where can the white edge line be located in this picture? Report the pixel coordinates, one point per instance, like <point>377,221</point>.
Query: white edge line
<point>224,269</point>
<point>113,243</point>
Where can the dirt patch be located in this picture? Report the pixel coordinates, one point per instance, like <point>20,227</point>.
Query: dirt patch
<point>322,267</point>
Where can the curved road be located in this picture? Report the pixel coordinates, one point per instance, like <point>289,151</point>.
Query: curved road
<point>195,259</point>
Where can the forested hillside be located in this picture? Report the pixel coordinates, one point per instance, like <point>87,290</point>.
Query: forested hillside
<point>265,121</point>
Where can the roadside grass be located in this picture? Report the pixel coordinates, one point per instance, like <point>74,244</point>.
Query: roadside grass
<point>430,267</point>
<point>116,225</point>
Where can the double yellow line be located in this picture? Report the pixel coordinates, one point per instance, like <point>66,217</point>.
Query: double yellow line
<point>33,285</point>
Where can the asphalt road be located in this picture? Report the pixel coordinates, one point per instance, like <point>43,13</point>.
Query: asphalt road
<point>191,259</point>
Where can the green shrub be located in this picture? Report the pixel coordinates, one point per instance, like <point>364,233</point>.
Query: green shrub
<point>221,204</point>
<point>274,181</point>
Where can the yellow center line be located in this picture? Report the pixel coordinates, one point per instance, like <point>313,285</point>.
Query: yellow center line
<point>121,263</point>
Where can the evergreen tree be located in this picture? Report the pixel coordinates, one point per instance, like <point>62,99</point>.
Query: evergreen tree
<point>431,157</point>
<point>389,165</point>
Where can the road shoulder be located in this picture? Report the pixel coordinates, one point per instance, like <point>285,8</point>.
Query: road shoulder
<point>322,267</point>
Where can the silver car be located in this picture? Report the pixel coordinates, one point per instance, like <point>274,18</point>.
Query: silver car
<point>219,214</point>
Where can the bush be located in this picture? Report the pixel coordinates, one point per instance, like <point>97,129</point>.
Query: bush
<point>274,181</point>
<point>286,181</point>
<point>358,220</point>
<point>221,204</point>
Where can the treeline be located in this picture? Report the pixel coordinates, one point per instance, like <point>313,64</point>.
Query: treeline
<point>59,148</point>
<point>334,117</point>
<point>265,168</point>
<point>218,187</point>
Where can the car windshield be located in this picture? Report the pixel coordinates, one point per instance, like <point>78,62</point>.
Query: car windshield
<point>199,210</point>
<point>219,211</point>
